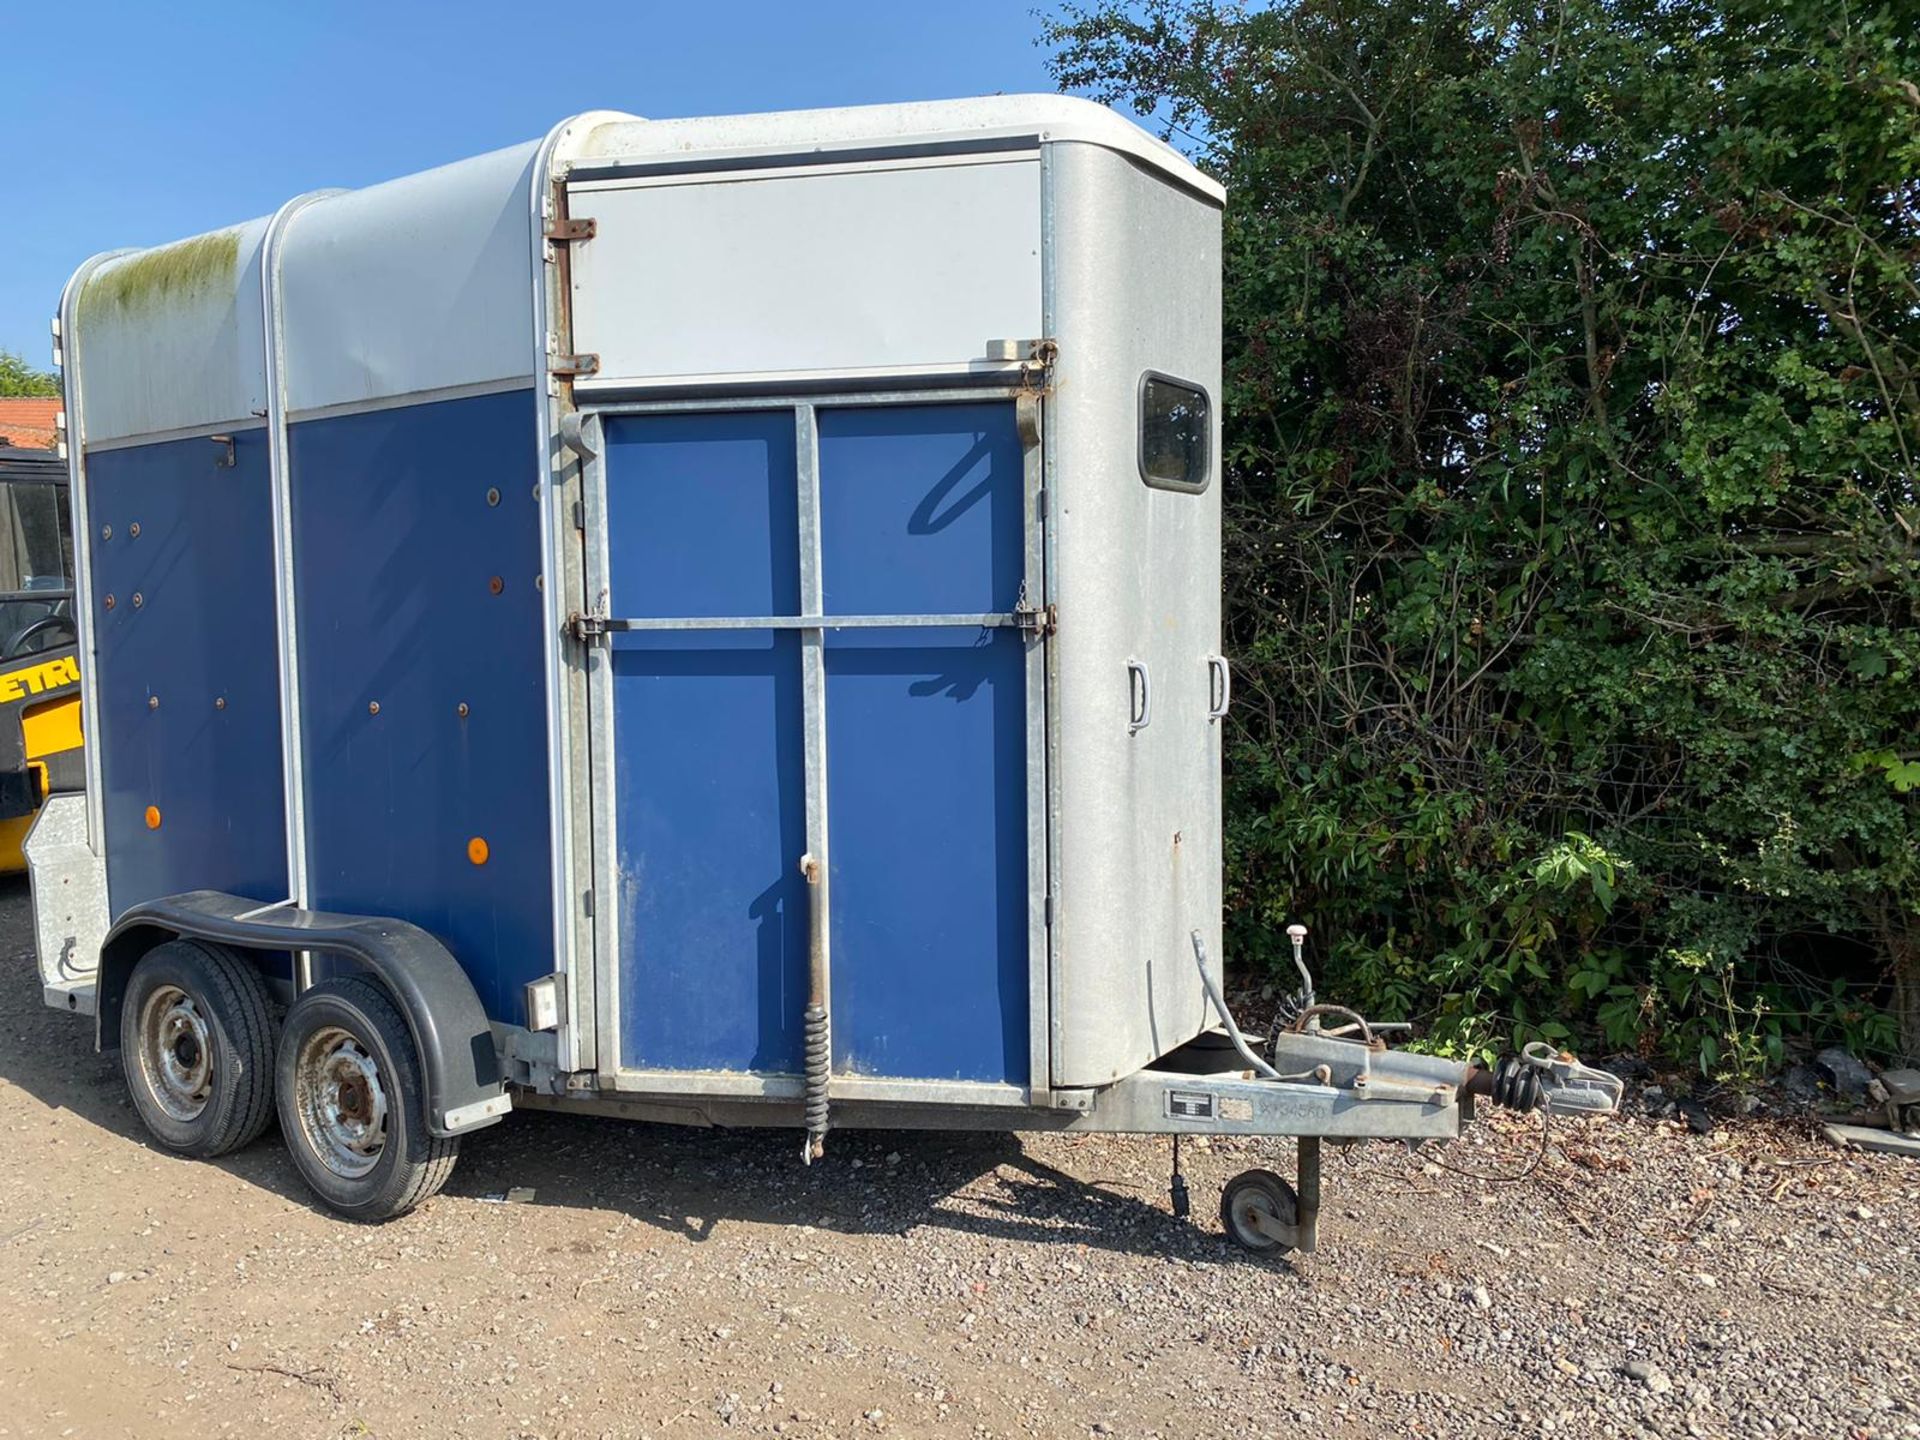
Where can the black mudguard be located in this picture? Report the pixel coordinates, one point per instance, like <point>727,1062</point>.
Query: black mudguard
<point>457,1057</point>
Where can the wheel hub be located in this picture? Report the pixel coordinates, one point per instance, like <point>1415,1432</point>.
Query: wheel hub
<point>176,1053</point>
<point>340,1101</point>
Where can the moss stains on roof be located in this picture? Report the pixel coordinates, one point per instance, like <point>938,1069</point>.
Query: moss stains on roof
<point>170,272</point>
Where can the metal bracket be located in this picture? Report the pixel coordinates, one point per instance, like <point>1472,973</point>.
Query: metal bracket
<point>1037,371</point>
<point>566,232</point>
<point>226,461</point>
<point>576,435</point>
<point>571,366</point>
<point>586,628</point>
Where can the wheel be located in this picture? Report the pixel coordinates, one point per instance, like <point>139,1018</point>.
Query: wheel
<point>352,1106</point>
<point>196,1043</point>
<point>1263,1195</point>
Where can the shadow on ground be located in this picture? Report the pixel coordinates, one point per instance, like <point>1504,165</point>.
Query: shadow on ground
<point>686,1181</point>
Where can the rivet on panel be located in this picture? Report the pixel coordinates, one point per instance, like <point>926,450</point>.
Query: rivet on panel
<point>106,532</point>
<point>153,702</point>
<point>133,531</point>
<point>496,585</point>
<point>540,582</point>
<point>219,702</point>
<point>461,710</point>
<point>153,817</point>
<point>138,599</point>
<point>373,707</point>
<point>493,497</point>
<point>107,603</point>
<point>477,850</point>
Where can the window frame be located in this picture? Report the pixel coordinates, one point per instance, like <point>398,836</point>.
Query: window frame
<point>59,484</point>
<point>1155,482</point>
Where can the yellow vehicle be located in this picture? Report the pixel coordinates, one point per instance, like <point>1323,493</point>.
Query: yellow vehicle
<point>40,735</point>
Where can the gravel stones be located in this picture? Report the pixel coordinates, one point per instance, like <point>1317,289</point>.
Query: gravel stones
<point>673,1282</point>
<point>1656,1380</point>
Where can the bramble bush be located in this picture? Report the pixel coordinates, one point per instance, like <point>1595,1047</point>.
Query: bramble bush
<point>1572,398</point>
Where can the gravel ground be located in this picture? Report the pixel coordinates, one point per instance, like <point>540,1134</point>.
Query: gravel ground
<point>1644,1281</point>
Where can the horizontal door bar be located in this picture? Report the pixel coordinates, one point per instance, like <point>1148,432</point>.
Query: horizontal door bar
<point>811,622</point>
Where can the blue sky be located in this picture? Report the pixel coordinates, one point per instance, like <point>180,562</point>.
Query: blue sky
<point>134,123</point>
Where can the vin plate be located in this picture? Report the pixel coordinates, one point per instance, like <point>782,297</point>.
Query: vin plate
<point>1190,1105</point>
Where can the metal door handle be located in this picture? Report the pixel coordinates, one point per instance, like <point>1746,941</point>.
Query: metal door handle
<point>1139,697</point>
<point>1219,683</point>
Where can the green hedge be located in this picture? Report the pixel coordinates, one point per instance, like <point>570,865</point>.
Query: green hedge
<point>1572,400</point>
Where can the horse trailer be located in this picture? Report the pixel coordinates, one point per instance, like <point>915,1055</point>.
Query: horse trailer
<point>708,620</point>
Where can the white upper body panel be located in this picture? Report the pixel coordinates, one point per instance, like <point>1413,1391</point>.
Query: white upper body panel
<point>420,284</point>
<point>900,267</point>
<point>171,338</point>
<point>425,284</point>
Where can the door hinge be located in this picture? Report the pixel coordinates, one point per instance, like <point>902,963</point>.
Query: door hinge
<point>565,232</point>
<point>570,366</point>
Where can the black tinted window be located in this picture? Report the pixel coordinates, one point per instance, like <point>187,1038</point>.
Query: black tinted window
<point>1175,429</point>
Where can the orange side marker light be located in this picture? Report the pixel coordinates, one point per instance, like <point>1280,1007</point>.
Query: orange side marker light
<point>153,817</point>
<point>476,850</point>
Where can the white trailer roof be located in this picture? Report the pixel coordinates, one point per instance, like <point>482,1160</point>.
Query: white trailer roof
<point>417,284</point>
<point>786,132</point>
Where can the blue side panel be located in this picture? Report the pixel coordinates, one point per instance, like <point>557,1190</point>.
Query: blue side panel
<point>922,512</point>
<point>711,807</point>
<point>191,626</point>
<point>416,554</point>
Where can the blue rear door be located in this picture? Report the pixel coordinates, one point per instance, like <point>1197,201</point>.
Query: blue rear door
<point>901,533</point>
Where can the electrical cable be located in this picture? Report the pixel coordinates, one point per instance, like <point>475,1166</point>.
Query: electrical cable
<point>1233,1030</point>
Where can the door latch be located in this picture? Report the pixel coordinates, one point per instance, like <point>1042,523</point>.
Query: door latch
<point>585,627</point>
<point>1038,621</point>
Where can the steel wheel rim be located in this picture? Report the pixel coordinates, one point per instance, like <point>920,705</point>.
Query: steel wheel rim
<point>340,1102</point>
<point>1249,1207</point>
<point>176,1053</point>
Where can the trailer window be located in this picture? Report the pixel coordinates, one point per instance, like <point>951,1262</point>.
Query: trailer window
<point>1175,431</point>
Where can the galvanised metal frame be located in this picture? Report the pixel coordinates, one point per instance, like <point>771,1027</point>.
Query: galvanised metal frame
<point>604,912</point>
<point>818,864</point>
<point>1047,805</point>
<point>562,567</point>
<point>287,651</point>
<point>813,624</point>
<point>74,407</point>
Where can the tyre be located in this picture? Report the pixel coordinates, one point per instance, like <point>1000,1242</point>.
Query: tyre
<point>1253,1196</point>
<point>352,1105</point>
<point>196,1044</point>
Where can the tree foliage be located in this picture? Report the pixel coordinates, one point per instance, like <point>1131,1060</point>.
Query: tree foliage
<point>1572,400</point>
<point>17,377</point>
